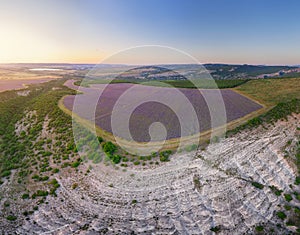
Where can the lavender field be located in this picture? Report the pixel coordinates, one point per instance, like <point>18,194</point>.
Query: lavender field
<point>151,105</point>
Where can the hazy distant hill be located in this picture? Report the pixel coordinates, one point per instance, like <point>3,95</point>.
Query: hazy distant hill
<point>225,71</point>
<point>160,72</point>
<point>217,71</point>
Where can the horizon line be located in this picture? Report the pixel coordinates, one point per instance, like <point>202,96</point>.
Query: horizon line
<point>125,64</point>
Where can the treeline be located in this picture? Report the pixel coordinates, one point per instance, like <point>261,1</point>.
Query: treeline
<point>197,83</point>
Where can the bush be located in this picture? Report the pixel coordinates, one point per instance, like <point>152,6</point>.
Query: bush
<point>11,218</point>
<point>116,159</point>
<point>134,201</point>
<point>257,185</point>
<point>290,223</point>
<point>259,228</point>
<point>215,229</point>
<point>275,190</point>
<point>281,215</point>
<point>25,213</point>
<point>25,196</point>
<point>74,186</point>
<point>41,193</point>
<point>5,173</point>
<point>297,180</point>
<point>44,178</point>
<point>100,139</point>
<point>109,148</point>
<point>288,197</point>
<point>191,148</point>
<point>164,156</point>
<point>55,185</point>
<point>75,164</point>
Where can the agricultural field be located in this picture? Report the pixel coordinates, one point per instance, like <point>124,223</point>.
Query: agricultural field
<point>16,84</point>
<point>235,105</point>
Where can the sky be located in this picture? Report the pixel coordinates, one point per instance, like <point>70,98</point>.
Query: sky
<point>88,31</point>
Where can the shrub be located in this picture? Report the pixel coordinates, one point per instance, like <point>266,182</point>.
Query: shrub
<point>164,156</point>
<point>191,148</point>
<point>11,218</point>
<point>74,186</point>
<point>109,148</point>
<point>275,190</point>
<point>5,173</point>
<point>257,185</point>
<point>116,159</point>
<point>297,180</point>
<point>25,213</point>
<point>100,139</point>
<point>44,178</point>
<point>288,197</point>
<point>25,196</point>
<point>41,193</point>
<point>75,164</point>
<point>6,204</point>
<point>55,185</point>
<point>134,201</point>
<point>259,228</point>
<point>215,229</point>
<point>290,223</point>
<point>281,215</point>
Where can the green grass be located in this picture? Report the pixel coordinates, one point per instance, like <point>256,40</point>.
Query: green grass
<point>270,92</point>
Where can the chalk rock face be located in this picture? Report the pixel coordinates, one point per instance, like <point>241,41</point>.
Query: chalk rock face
<point>194,193</point>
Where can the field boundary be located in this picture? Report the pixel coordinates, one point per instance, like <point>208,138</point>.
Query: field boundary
<point>204,136</point>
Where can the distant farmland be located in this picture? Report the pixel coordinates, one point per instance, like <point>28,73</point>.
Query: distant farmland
<point>16,84</point>
<point>144,115</point>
